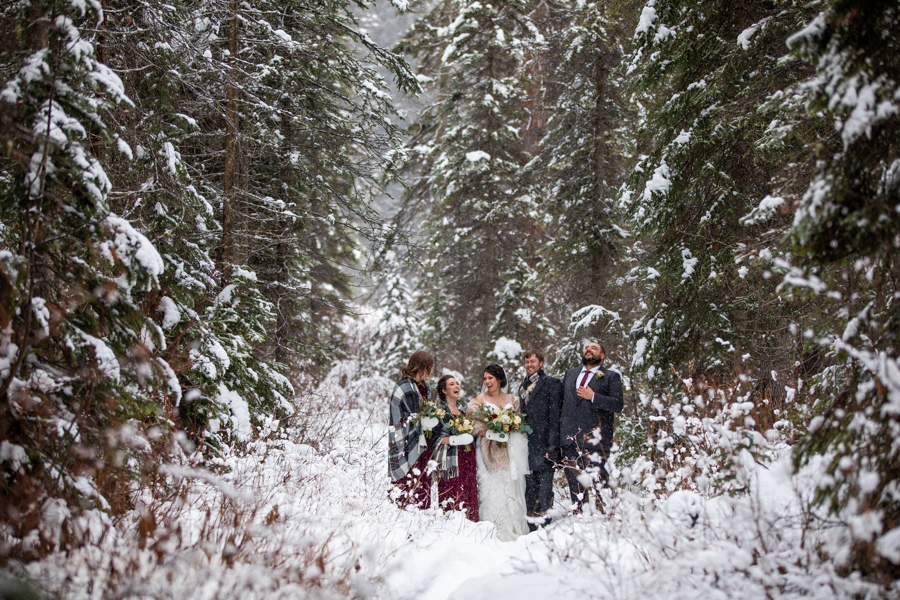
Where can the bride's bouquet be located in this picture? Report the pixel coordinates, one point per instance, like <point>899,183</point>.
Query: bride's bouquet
<point>430,416</point>
<point>500,422</point>
<point>460,426</point>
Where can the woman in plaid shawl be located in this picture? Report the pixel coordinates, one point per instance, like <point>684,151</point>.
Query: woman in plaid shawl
<point>408,451</point>
<point>458,485</point>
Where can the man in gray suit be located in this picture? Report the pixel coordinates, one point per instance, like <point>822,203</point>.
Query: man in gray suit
<point>539,398</point>
<point>591,397</point>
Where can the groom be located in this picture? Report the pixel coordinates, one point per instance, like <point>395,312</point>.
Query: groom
<point>591,396</point>
<point>539,398</point>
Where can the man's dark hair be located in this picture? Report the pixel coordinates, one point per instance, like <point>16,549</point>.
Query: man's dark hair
<point>537,353</point>
<point>592,341</point>
<point>498,373</point>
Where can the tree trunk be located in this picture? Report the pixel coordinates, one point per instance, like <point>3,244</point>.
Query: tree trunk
<point>38,26</point>
<point>31,220</point>
<point>225,258</point>
<point>283,254</point>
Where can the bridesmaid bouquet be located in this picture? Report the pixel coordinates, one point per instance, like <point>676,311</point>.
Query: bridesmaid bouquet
<point>460,425</point>
<point>501,422</point>
<point>430,416</point>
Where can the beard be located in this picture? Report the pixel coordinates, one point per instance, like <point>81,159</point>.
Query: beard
<point>590,362</point>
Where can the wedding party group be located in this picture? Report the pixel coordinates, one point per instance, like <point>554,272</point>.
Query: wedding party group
<point>494,457</point>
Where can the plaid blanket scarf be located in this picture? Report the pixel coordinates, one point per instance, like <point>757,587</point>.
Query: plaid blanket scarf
<point>524,394</point>
<point>445,455</point>
<point>406,441</point>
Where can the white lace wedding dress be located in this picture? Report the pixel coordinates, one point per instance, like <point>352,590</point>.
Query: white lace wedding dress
<point>501,493</point>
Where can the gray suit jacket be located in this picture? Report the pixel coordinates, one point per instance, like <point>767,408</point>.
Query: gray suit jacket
<point>579,417</point>
<point>542,415</point>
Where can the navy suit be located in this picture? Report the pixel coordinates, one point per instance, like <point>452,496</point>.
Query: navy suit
<point>578,419</point>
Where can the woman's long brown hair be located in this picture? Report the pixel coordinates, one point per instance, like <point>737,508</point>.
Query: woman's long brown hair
<point>420,361</point>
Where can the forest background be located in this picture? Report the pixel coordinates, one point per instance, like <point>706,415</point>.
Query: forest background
<point>209,208</point>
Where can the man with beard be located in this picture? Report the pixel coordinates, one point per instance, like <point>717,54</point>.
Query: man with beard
<point>591,396</point>
<point>539,397</point>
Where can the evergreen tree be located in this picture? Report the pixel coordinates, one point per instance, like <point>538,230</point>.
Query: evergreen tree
<point>245,151</point>
<point>467,151</point>
<point>582,156</point>
<point>578,171</point>
<point>846,236</point>
<point>397,333</point>
<point>521,312</point>
<point>213,315</point>
<point>82,397</point>
<point>261,212</point>
<point>703,71</point>
<point>319,136</point>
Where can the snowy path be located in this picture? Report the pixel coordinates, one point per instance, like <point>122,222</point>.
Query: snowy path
<point>462,567</point>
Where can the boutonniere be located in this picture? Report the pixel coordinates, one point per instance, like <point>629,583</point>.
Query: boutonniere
<point>530,388</point>
<point>598,375</point>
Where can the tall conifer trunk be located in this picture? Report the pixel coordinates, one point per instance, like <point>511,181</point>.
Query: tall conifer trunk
<point>283,251</point>
<point>225,256</point>
<point>31,220</point>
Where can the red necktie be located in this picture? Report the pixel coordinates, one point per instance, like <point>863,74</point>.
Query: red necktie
<point>585,378</point>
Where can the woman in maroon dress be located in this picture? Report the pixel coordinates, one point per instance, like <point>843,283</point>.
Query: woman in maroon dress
<point>457,486</point>
<point>408,445</point>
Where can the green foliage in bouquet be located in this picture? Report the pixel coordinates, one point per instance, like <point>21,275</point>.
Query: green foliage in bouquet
<point>504,420</point>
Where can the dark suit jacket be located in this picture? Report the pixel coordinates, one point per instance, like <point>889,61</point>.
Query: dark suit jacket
<point>579,417</point>
<point>542,415</point>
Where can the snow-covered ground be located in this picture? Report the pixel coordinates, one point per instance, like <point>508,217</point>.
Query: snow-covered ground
<point>284,519</point>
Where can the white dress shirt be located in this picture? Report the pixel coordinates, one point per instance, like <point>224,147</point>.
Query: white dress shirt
<point>592,370</point>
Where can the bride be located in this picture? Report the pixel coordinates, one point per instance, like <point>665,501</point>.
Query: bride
<point>500,467</point>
